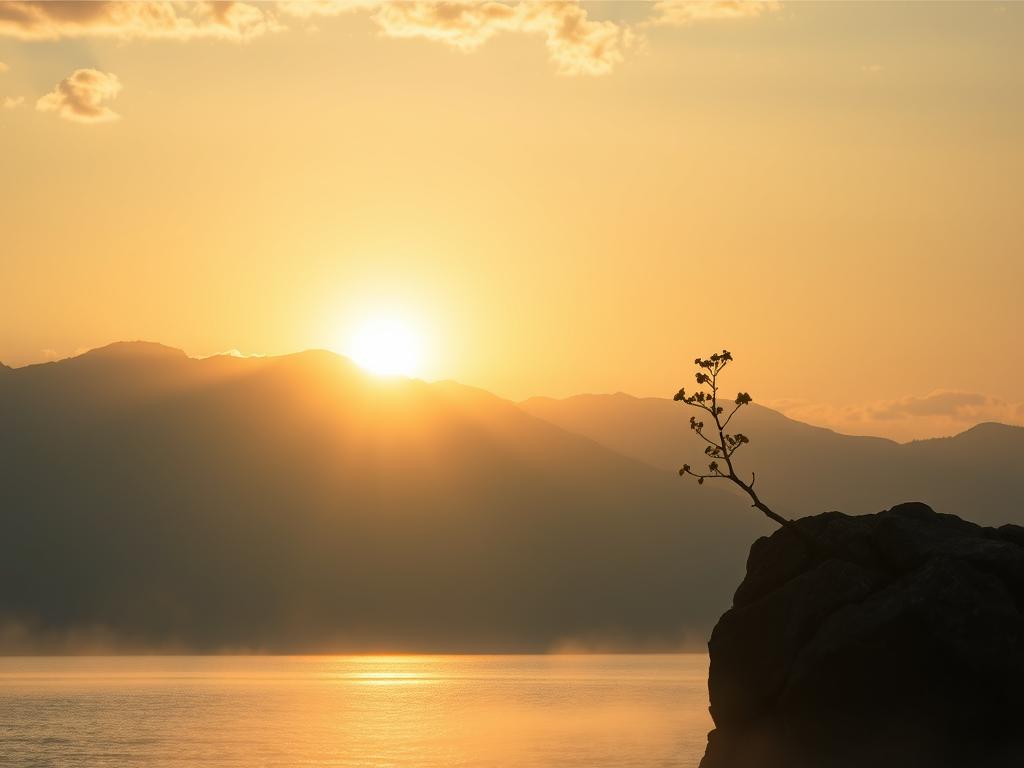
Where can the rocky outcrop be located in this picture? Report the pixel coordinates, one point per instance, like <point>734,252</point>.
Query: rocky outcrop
<point>894,639</point>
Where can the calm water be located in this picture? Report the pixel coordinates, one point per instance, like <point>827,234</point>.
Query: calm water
<point>355,711</point>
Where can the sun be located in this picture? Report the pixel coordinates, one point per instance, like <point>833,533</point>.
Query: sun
<point>387,346</point>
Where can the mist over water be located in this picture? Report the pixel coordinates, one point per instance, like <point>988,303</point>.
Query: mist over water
<point>356,711</point>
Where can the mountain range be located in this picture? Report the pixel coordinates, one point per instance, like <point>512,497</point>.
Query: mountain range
<point>296,503</point>
<point>804,470</point>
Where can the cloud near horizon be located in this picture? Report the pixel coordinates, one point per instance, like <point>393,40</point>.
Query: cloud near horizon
<point>942,412</point>
<point>577,44</point>
<point>79,97</point>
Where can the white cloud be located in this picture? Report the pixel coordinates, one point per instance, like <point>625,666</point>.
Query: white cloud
<point>13,102</point>
<point>577,44</point>
<point>80,97</point>
<point>34,20</point>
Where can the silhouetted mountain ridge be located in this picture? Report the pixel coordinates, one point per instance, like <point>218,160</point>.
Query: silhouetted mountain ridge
<point>803,469</point>
<point>298,503</point>
<point>131,350</point>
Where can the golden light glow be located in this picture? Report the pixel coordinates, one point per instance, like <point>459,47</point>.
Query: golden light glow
<point>596,226</point>
<point>386,345</point>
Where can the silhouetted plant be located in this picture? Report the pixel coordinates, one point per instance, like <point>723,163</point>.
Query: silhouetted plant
<point>722,446</point>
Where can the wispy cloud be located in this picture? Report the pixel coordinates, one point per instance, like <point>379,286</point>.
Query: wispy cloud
<point>81,96</point>
<point>233,353</point>
<point>13,102</point>
<point>677,13</point>
<point>939,413</point>
<point>969,405</point>
<point>306,9</point>
<point>34,20</point>
<point>3,68</point>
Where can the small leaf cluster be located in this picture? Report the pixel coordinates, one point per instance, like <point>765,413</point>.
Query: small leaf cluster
<point>707,399</point>
<point>721,444</point>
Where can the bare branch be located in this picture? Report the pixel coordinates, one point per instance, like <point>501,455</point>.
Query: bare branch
<point>704,437</point>
<point>738,406</point>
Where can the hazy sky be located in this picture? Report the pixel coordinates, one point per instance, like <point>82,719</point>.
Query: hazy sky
<point>562,198</point>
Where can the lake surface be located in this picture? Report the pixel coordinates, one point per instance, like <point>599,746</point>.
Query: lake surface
<point>354,711</point>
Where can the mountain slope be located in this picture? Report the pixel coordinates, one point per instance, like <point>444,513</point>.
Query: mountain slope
<point>294,503</point>
<point>803,469</point>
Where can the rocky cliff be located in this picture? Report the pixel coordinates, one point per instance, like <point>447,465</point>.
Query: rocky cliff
<point>894,639</point>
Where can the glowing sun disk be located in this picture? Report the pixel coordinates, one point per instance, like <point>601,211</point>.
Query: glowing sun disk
<point>385,346</point>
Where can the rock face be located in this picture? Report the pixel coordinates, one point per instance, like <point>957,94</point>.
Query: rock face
<point>894,639</point>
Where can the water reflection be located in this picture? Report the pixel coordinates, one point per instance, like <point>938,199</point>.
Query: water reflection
<point>358,712</point>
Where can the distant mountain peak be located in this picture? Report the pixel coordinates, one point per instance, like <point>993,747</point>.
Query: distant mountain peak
<point>314,354</point>
<point>988,427</point>
<point>985,431</point>
<point>134,349</point>
<point>317,359</point>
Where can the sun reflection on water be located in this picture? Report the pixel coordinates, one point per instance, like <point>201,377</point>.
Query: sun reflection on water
<point>371,712</point>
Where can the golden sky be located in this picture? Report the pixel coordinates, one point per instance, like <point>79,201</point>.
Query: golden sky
<point>562,198</point>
